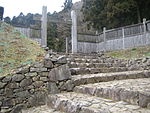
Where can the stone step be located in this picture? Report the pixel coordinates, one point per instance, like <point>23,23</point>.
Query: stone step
<point>82,71</point>
<point>84,56</point>
<point>105,77</point>
<point>94,65</point>
<point>81,103</point>
<point>95,60</point>
<point>41,109</point>
<point>133,91</point>
<point>85,60</point>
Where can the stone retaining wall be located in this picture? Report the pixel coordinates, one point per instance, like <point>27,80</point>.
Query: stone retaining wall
<point>29,86</point>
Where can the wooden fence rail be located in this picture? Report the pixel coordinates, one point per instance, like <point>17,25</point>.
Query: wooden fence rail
<point>32,33</point>
<point>116,39</point>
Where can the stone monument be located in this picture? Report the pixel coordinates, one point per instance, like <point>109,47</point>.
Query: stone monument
<point>1,12</point>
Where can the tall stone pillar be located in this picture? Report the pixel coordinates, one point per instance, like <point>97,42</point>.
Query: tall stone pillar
<point>74,31</point>
<point>44,27</point>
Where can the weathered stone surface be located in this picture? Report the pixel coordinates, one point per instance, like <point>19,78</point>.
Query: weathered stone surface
<point>19,100</point>
<point>2,84</point>
<point>26,82</point>
<point>8,92</point>
<point>144,60</point>
<point>1,78</point>
<point>41,109</point>
<point>37,78</point>
<point>1,103</point>
<point>38,64</point>
<point>8,102</point>
<point>32,91</point>
<point>7,79</point>
<point>29,87</point>
<point>148,105</point>
<point>104,77</point>
<point>39,98</point>
<point>31,74</point>
<point>6,110</point>
<point>59,73</point>
<point>61,60</point>
<point>81,103</point>
<point>93,65</point>
<point>38,69</point>
<point>13,85</point>
<point>22,70</point>
<point>68,86</point>
<point>48,64</point>
<point>44,79</point>
<point>17,78</point>
<point>37,84</point>
<point>23,94</point>
<point>82,71</point>
<point>134,91</point>
<point>47,56</point>
<point>52,88</point>
<point>144,99</point>
<point>43,74</point>
<point>18,108</point>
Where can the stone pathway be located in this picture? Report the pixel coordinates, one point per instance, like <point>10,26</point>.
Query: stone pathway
<point>127,91</point>
<point>134,91</point>
<point>141,85</point>
<point>105,77</point>
<point>41,109</point>
<point>77,71</point>
<point>82,103</point>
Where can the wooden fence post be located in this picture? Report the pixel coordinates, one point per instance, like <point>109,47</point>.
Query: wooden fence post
<point>144,25</point>
<point>123,36</point>
<point>66,44</point>
<point>104,33</point>
<point>74,31</point>
<point>44,27</point>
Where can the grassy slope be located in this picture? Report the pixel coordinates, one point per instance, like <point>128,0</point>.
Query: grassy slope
<point>16,50</point>
<point>133,53</point>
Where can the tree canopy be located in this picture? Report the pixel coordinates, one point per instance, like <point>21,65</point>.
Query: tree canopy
<point>114,13</point>
<point>21,20</point>
<point>67,5</point>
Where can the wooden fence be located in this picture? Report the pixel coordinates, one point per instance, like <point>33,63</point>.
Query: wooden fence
<point>32,33</point>
<point>37,34</point>
<point>116,39</point>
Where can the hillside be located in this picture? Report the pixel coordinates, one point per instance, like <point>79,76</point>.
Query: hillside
<point>16,50</point>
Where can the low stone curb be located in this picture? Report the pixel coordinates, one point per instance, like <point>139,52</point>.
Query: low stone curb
<point>83,71</point>
<point>105,77</point>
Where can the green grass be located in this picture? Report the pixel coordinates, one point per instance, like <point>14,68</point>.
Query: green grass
<point>132,53</point>
<point>16,50</point>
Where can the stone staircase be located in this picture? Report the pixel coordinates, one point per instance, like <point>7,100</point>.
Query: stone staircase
<point>95,64</point>
<point>102,85</point>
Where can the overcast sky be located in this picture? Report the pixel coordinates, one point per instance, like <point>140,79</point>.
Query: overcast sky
<point>14,7</point>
